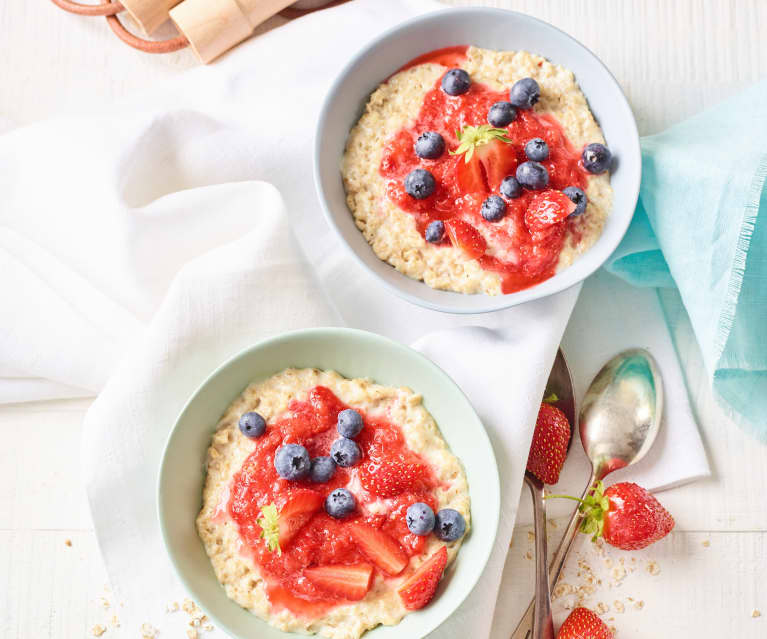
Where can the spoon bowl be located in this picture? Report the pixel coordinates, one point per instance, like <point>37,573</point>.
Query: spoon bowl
<point>620,414</point>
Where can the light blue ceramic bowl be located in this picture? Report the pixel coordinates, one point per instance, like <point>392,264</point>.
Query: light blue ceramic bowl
<point>490,29</point>
<point>352,353</point>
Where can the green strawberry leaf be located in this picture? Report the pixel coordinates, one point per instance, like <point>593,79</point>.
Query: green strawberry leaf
<point>270,529</point>
<point>473,136</point>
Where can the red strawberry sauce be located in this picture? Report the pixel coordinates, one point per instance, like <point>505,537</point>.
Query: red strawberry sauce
<point>522,256</point>
<point>388,470</point>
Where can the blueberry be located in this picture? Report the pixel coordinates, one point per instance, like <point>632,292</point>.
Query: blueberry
<point>596,158</point>
<point>252,425</point>
<point>322,470</point>
<point>510,188</point>
<point>501,114</point>
<point>349,423</point>
<point>292,461</point>
<point>578,197</point>
<point>345,452</point>
<point>449,525</point>
<point>340,503</point>
<point>419,183</point>
<point>456,82</point>
<point>525,93</point>
<point>430,145</point>
<point>420,519</point>
<point>532,175</point>
<point>493,208</point>
<point>435,231</point>
<point>536,149</point>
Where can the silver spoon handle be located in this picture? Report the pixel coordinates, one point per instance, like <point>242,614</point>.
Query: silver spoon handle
<point>524,629</point>
<point>543,624</point>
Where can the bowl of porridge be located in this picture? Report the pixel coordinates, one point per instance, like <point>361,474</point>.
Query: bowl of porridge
<point>331,482</point>
<point>473,159</point>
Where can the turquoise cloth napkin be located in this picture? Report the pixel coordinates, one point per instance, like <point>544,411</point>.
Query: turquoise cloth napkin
<point>701,226</point>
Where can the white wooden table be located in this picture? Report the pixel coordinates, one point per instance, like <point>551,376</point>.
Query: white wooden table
<point>672,59</point>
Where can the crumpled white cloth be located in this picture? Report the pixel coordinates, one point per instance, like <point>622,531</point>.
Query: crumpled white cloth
<point>142,247</point>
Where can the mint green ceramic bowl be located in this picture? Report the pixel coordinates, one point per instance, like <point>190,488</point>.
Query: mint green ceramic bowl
<point>352,353</point>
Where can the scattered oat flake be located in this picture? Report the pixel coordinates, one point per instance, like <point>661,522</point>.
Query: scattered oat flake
<point>104,602</point>
<point>148,631</point>
<point>528,555</point>
<point>756,613</point>
<point>619,607</point>
<point>191,633</point>
<point>562,589</point>
<point>189,607</point>
<point>706,543</point>
<point>115,621</point>
<point>653,568</point>
<point>530,536</point>
<point>98,630</point>
<point>639,605</point>
<point>68,543</point>
<point>602,608</point>
<point>172,607</point>
<point>208,628</point>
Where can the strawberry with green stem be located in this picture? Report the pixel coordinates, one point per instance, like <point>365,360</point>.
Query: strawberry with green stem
<point>625,515</point>
<point>488,158</point>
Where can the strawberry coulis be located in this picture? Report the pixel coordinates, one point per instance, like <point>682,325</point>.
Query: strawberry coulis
<point>521,257</point>
<point>388,466</point>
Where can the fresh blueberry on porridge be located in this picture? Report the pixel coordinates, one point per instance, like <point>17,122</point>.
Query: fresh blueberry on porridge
<point>313,545</point>
<point>429,145</point>
<point>596,158</point>
<point>493,208</point>
<point>485,143</point>
<point>537,150</point>
<point>578,197</point>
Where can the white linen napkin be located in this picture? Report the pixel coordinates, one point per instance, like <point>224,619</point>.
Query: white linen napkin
<point>137,249</point>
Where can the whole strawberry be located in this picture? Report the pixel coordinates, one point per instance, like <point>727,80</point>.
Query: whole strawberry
<point>582,623</point>
<point>625,515</point>
<point>549,448</point>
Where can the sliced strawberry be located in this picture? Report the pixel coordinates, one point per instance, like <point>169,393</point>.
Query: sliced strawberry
<point>418,590</point>
<point>465,237</point>
<point>326,405</point>
<point>547,208</point>
<point>380,548</point>
<point>498,160</point>
<point>298,510</point>
<point>469,175</point>
<point>390,477</point>
<point>350,582</point>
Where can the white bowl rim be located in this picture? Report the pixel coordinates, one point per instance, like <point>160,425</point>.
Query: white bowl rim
<point>498,302</point>
<point>320,331</point>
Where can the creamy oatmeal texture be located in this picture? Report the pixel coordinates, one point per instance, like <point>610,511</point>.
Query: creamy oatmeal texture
<point>229,449</point>
<point>392,232</point>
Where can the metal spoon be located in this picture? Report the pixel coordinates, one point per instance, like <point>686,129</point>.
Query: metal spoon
<point>619,420</point>
<point>560,384</point>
